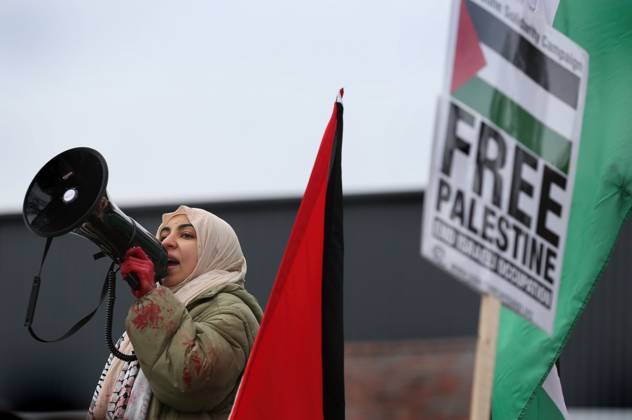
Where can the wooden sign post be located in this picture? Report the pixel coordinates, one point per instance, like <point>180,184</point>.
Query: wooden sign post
<point>484,362</point>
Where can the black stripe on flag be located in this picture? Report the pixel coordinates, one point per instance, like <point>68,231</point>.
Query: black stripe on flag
<point>332,312</point>
<point>520,52</point>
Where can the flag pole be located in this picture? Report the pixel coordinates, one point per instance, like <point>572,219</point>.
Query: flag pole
<point>484,363</point>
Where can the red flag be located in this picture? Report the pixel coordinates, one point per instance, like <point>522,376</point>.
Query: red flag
<point>296,367</point>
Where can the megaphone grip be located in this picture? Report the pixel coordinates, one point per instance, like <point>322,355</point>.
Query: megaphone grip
<point>133,281</point>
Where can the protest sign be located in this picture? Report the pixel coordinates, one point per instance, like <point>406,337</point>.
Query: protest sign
<point>504,157</point>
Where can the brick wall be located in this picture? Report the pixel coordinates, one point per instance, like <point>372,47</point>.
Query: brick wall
<point>406,380</point>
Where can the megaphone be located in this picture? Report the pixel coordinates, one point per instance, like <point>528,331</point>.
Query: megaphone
<point>68,195</point>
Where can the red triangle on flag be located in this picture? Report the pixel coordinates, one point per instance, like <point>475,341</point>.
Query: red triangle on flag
<point>468,57</point>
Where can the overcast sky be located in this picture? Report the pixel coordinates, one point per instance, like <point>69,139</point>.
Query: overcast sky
<point>203,100</point>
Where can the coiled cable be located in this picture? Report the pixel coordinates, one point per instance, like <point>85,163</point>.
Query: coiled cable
<point>109,310</point>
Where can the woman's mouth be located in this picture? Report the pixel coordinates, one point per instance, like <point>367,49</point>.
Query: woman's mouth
<point>172,262</point>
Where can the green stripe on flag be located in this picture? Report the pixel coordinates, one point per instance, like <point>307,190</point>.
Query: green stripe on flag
<point>517,122</point>
<point>542,407</point>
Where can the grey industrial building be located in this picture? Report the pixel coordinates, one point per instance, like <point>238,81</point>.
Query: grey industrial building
<point>391,295</point>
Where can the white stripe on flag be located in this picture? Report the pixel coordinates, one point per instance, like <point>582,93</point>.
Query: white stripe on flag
<point>517,86</point>
<point>553,388</point>
<point>546,8</point>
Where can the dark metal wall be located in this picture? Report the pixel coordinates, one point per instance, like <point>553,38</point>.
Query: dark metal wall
<point>596,365</point>
<point>390,294</point>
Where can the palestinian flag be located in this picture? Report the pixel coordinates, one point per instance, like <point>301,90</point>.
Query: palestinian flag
<point>500,73</point>
<point>296,367</point>
<point>525,381</point>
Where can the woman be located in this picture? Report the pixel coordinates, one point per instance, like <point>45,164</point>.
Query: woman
<point>192,334</point>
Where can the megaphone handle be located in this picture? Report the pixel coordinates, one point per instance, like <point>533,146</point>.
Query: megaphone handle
<point>133,281</point>
<point>131,278</point>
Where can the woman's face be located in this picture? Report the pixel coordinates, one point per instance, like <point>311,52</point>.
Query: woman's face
<point>180,240</point>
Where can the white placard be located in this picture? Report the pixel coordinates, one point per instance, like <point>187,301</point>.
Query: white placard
<point>504,156</point>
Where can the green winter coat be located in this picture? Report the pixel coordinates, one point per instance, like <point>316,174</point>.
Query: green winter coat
<point>193,357</point>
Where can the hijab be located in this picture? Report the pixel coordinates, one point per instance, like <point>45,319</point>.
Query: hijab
<point>220,259</point>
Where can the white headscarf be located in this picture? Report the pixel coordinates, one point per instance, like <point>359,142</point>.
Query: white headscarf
<point>220,259</point>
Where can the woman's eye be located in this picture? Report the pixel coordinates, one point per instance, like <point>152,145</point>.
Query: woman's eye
<point>187,235</point>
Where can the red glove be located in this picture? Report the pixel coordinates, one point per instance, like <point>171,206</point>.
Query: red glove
<point>137,262</point>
